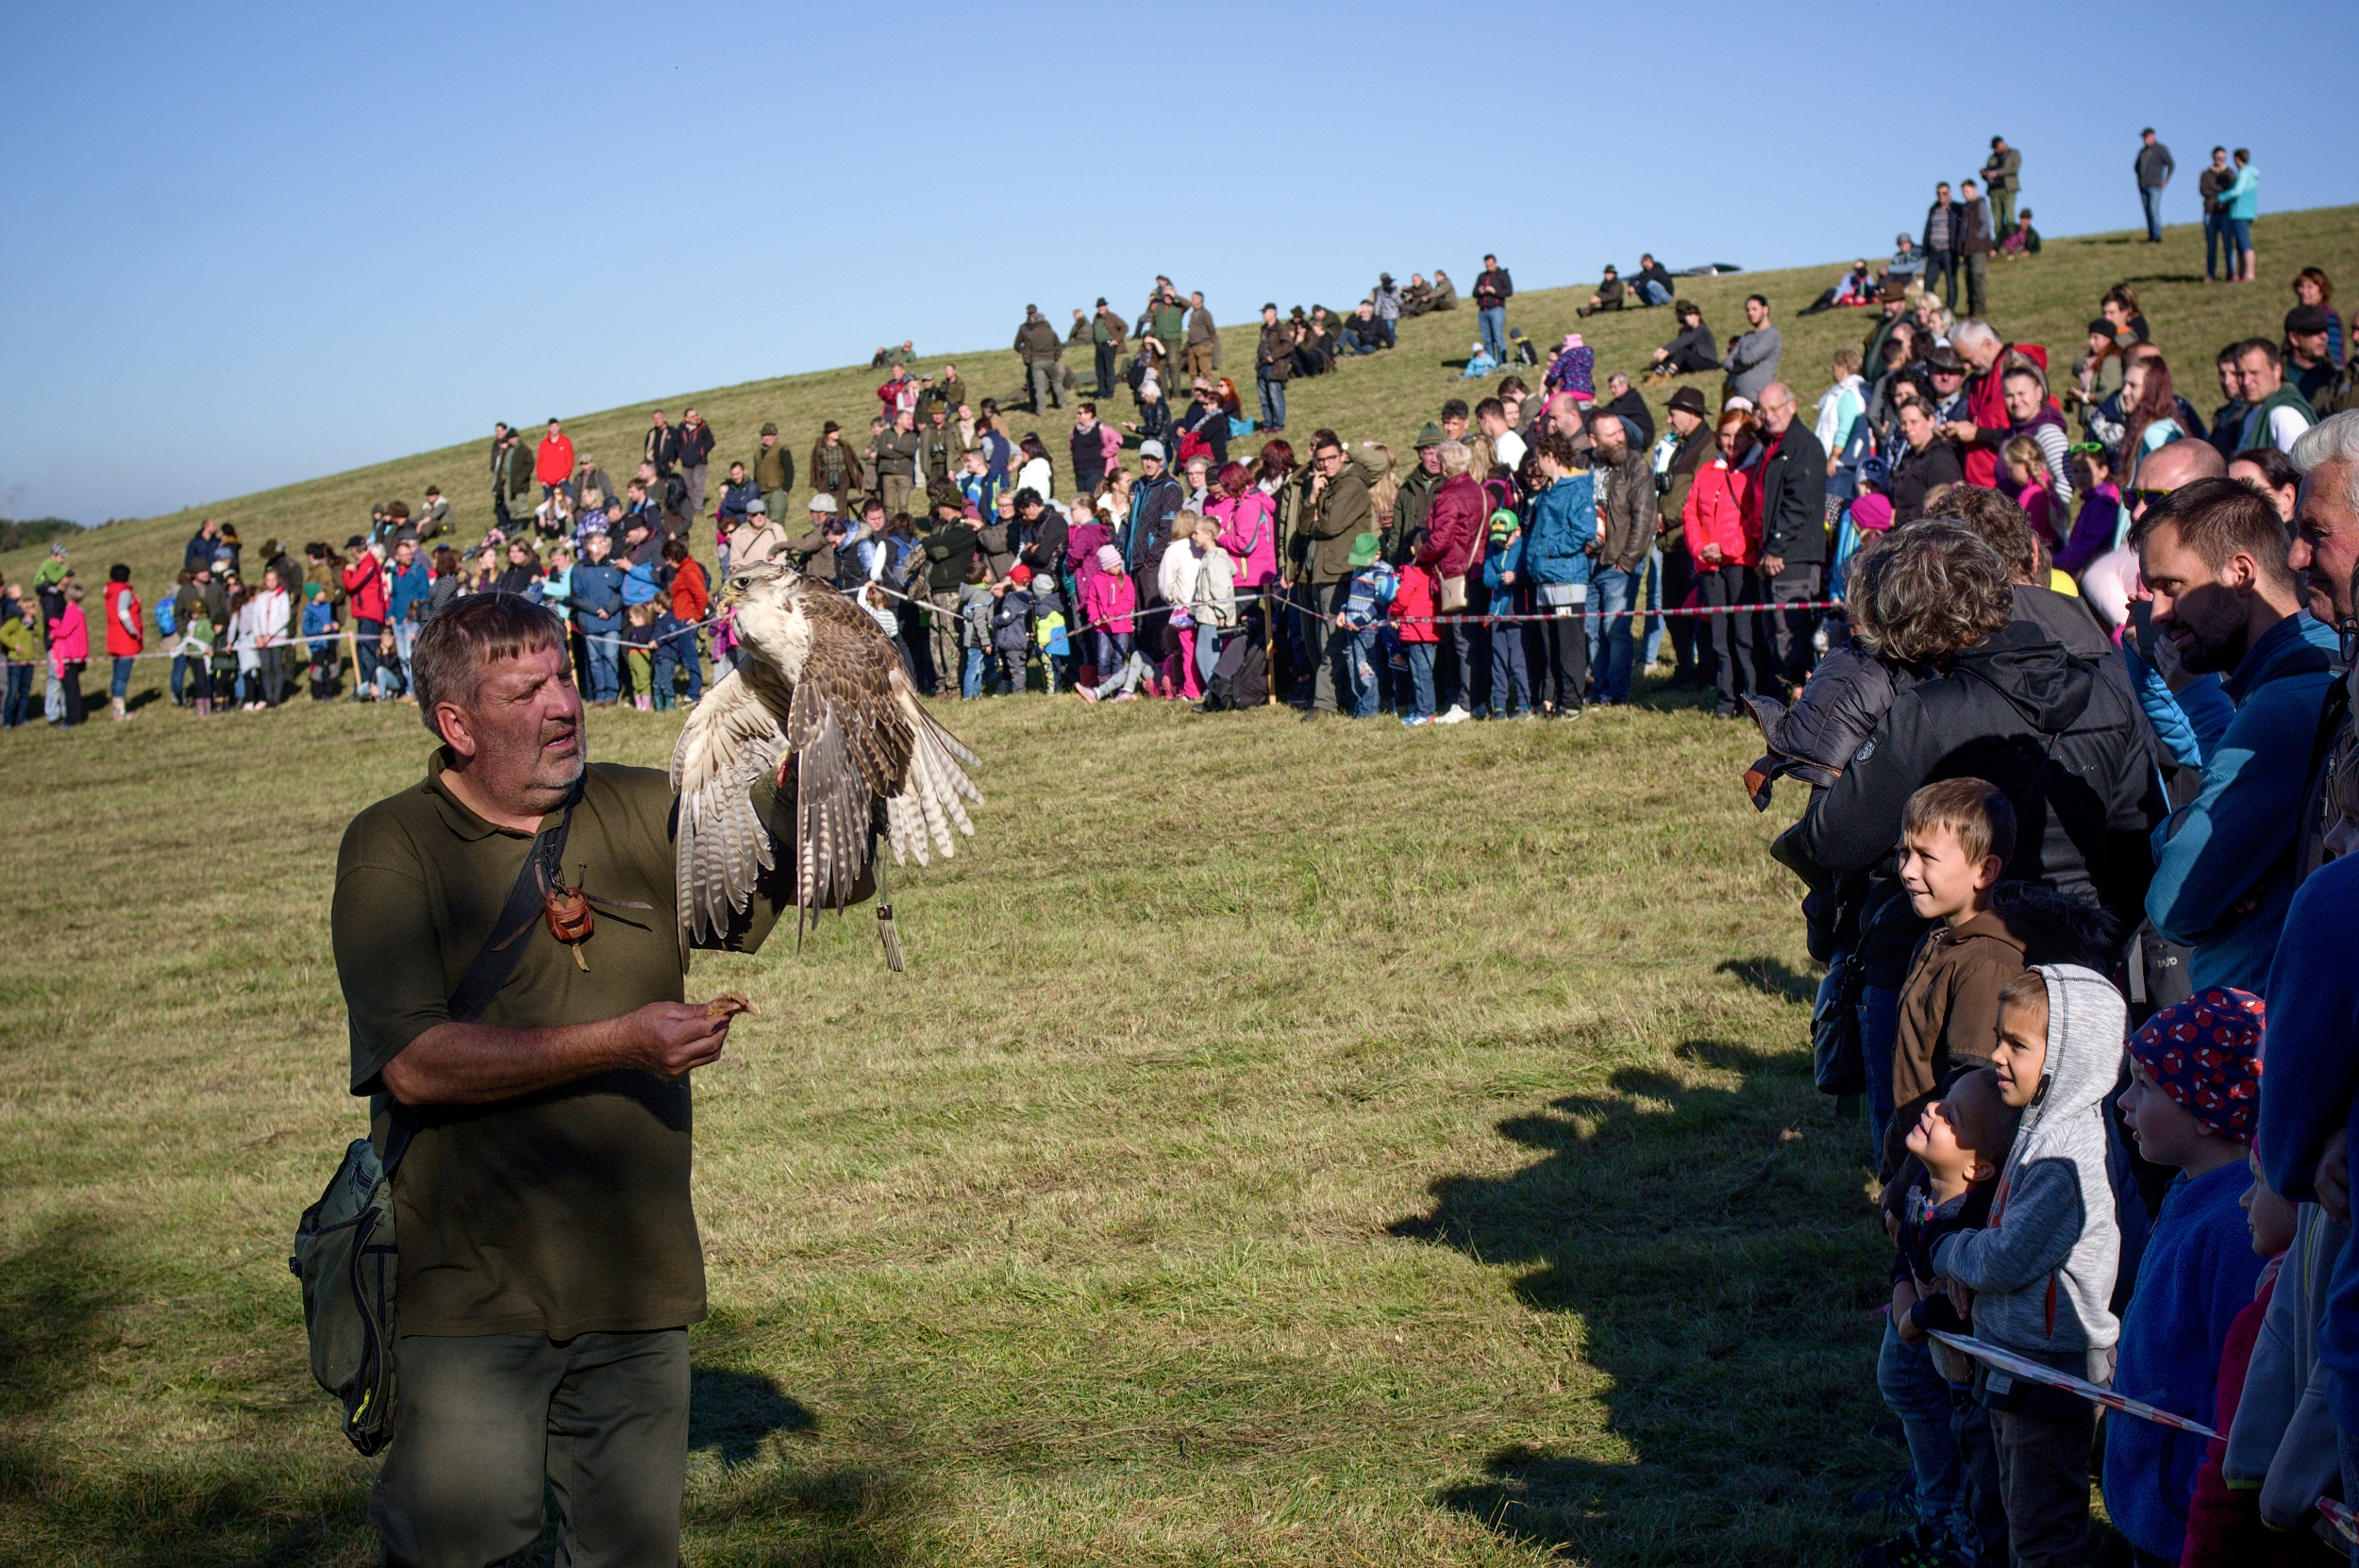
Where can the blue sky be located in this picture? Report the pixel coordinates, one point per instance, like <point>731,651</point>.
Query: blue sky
<point>250,245</point>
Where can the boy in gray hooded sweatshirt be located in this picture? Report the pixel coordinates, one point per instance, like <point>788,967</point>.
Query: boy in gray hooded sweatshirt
<point>2042,1272</point>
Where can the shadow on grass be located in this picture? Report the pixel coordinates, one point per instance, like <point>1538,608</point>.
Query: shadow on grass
<point>1686,1228</point>
<point>219,1505</point>
<point>731,1412</point>
<point>1772,977</point>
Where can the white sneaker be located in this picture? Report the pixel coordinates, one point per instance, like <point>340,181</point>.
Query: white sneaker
<point>1456,715</point>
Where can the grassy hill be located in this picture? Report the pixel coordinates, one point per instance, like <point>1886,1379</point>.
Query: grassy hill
<point>2049,299</point>
<point>1295,1145</point>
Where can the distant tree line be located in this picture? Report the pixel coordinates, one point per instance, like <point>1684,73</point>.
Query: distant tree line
<point>15,534</point>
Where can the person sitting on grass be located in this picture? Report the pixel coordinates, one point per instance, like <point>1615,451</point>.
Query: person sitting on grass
<point>1691,351</point>
<point>1479,365</point>
<point>2193,1102</point>
<point>1856,287</point>
<point>2039,1281</point>
<point>1956,1148</point>
<point>1607,297</point>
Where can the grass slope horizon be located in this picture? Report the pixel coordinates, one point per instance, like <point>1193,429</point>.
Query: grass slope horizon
<point>2047,299</point>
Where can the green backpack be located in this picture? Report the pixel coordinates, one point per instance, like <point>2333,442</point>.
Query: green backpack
<point>346,1251</point>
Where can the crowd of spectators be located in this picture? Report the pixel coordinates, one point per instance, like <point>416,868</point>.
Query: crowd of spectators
<point>2077,737</point>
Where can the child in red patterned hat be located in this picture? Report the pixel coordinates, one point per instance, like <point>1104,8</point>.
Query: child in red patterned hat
<point>2194,1102</point>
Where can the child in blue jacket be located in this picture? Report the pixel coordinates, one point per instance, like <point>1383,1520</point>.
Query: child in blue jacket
<point>1367,603</point>
<point>2195,1104</point>
<point>1503,575</point>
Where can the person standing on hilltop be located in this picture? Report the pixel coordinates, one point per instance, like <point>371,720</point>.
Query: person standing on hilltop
<point>1751,362</point>
<point>695,453</point>
<point>2002,176</point>
<point>1203,339</point>
<point>1038,345</point>
<point>500,437</point>
<point>2153,167</point>
<point>553,464</point>
<point>834,466</point>
<point>1108,332</point>
<point>1492,290</point>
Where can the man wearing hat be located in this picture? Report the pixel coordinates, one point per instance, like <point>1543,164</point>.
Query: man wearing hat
<point>774,468</point>
<point>1155,500</point>
<point>1108,333</point>
<point>813,555</point>
<point>834,465</point>
<point>1038,347</point>
<point>757,538</point>
<point>1948,370</point>
<point>1416,497</point>
<point>1273,366</point>
<point>2309,366</point>
<point>1691,451</point>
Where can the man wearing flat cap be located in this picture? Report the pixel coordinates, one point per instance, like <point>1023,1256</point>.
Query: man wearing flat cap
<point>1040,348</point>
<point>774,469</point>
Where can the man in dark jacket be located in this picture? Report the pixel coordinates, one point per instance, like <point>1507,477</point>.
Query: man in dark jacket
<point>1155,500</point>
<point>1038,347</point>
<point>896,453</point>
<point>1626,520</point>
<point>1792,529</point>
<point>1336,510</point>
<point>1690,428</point>
<point>1492,290</point>
<point>660,445</point>
<point>949,546</point>
<point>1273,366</point>
<point>203,545</point>
<point>1650,284</point>
<point>694,452</point>
<point>2153,167</point>
<point>1976,242</point>
<point>1108,332</point>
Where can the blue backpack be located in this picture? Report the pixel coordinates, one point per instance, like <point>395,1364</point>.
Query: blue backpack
<point>168,614</point>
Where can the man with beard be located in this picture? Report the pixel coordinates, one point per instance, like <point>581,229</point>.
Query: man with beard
<point>2213,556</point>
<point>534,1111</point>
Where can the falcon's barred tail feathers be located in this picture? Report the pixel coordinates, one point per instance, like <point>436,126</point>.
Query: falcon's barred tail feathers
<point>821,701</point>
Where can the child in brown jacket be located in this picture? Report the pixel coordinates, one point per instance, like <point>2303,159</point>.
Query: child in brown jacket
<point>1955,837</point>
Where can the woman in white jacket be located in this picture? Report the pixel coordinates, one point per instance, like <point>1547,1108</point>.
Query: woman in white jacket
<point>1199,580</point>
<point>1035,475</point>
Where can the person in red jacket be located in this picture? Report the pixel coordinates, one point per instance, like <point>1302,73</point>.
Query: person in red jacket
<point>690,596</point>
<point>1413,623</point>
<point>1722,526</point>
<point>1455,525</point>
<point>553,465</point>
<point>127,633</point>
<point>364,592</point>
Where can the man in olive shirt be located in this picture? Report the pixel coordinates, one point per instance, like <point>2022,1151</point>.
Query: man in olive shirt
<point>1340,510</point>
<point>549,1262</point>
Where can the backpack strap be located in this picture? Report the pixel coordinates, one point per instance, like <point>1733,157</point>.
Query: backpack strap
<point>527,898</point>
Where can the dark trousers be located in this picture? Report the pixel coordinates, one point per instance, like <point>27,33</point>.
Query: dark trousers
<point>1510,690</point>
<point>1788,650</point>
<point>1977,277</point>
<point>2043,1479</point>
<point>1732,635</point>
<point>72,682</point>
<point>1566,682</point>
<point>1943,264</point>
<point>486,1420</point>
<point>365,635</point>
<point>1678,581</point>
<point>1105,370</point>
<point>19,706</point>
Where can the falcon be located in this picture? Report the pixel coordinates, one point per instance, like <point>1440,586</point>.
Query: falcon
<point>820,701</point>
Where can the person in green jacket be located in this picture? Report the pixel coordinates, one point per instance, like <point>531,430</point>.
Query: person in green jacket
<point>774,470</point>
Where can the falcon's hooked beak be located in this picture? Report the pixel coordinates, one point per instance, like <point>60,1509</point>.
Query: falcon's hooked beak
<point>742,583</point>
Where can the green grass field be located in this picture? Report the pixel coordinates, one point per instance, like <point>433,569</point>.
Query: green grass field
<point>1297,1145</point>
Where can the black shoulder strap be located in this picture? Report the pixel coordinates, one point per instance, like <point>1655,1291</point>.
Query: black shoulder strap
<point>527,898</point>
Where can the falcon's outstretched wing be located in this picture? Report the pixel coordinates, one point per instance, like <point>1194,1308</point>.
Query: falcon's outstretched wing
<point>731,738</point>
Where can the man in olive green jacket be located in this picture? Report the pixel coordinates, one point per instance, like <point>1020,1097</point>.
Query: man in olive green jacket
<point>1340,510</point>
<point>774,470</point>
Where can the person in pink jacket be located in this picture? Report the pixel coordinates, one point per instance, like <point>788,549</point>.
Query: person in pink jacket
<point>1248,521</point>
<point>1107,604</point>
<point>69,651</point>
<point>1723,529</point>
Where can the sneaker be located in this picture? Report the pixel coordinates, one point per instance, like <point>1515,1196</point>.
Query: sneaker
<point>1456,715</point>
<point>1414,720</point>
<point>1915,1548</point>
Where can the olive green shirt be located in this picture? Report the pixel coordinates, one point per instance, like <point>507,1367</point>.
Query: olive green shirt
<point>564,1211</point>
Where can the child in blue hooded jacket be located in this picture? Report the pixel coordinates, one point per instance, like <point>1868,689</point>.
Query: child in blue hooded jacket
<point>1503,575</point>
<point>1367,606</point>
